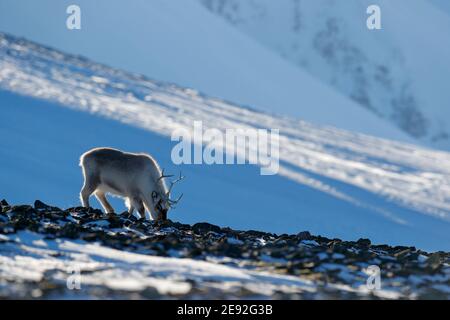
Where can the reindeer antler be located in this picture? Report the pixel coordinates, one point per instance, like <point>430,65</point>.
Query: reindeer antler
<point>164,176</point>
<point>172,183</point>
<point>172,203</point>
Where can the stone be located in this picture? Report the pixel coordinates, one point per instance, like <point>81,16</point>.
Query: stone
<point>363,242</point>
<point>70,230</point>
<point>304,235</point>
<point>39,205</point>
<point>204,227</point>
<point>22,209</point>
<point>434,261</point>
<point>255,233</point>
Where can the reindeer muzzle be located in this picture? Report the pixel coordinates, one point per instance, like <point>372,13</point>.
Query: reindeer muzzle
<point>162,216</point>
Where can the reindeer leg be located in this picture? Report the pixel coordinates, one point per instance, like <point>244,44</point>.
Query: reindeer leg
<point>141,209</point>
<point>101,197</point>
<point>129,205</point>
<point>88,188</point>
<point>150,208</point>
<point>136,202</point>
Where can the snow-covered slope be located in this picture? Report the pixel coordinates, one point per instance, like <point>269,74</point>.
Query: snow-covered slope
<point>442,4</point>
<point>332,182</point>
<point>400,72</point>
<point>31,256</point>
<point>49,253</point>
<point>182,42</point>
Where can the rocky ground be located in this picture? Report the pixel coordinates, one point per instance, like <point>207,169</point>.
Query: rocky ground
<point>332,268</point>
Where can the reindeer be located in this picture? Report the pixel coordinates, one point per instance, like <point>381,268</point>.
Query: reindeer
<point>135,177</point>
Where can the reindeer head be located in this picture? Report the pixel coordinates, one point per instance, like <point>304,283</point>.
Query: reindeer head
<point>161,196</point>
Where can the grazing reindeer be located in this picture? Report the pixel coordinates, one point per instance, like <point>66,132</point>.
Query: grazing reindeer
<point>136,177</point>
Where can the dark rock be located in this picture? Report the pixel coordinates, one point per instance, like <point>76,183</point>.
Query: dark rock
<point>383,247</point>
<point>434,261</point>
<point>399,248</point>
<point>91,236</point>
<point>322,240</point>
<point>39,205</point>
<point>95,213</point>
<point>296,255</point>
<point>304,235</point>
<point>204,227</point>
<point>195,252</point>
<point>402,254</point>
<point>22,209</point>
<point>335,244</point>
<point>4,203</point>
<point>255,233</point>
<point>230,232</point>
<point>165,223</point>
<point>77,209</point>
<point>230,250</point>
<point>22,222</point>
<point>70,230</point>
<point>114,221</point>
<point>363,242</point>
<point>181,226</point>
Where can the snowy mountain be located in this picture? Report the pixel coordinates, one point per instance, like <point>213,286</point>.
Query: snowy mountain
<point>338,183</point>
<point>400,72</point>
<point>442,4</point>
<point>182,42</point>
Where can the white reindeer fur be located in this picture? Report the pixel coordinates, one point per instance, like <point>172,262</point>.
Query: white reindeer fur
<point>129,175</point>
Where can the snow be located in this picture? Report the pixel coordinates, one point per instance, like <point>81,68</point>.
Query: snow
<point>23,259</point>
<point>399,72</point>
<point>182,42</point>
<point>332,182</point>
<point>442,4</point>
